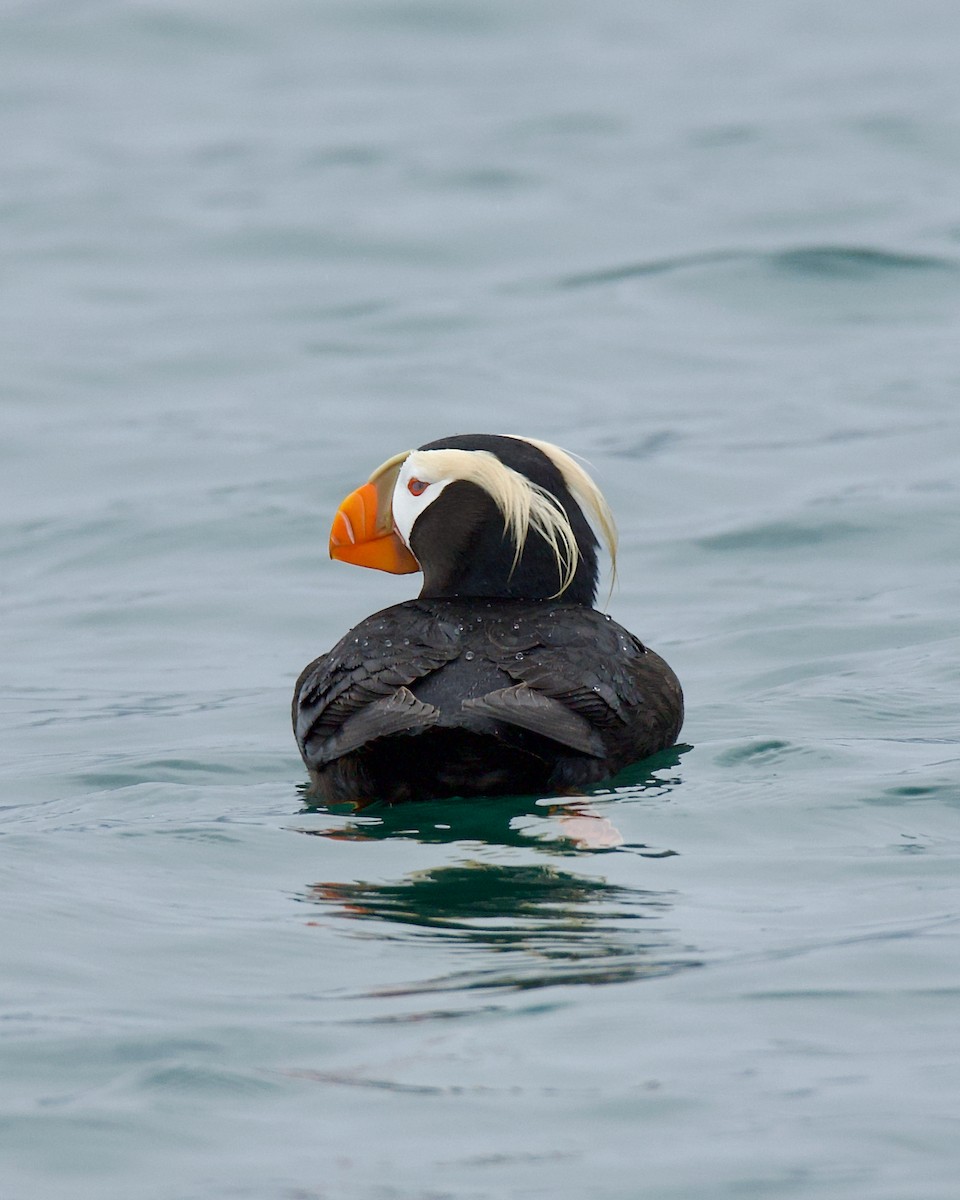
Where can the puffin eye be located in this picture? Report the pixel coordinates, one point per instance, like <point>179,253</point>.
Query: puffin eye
<point>416,487</point>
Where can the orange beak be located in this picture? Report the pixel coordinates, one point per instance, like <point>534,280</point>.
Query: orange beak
<point>363,531</point>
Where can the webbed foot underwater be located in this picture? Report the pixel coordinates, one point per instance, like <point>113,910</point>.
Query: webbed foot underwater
<point>501,677</point>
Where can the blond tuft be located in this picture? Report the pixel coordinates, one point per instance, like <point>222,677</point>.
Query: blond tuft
<point>526,506</point>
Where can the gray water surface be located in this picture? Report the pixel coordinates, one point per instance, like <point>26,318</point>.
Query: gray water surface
<point>250,251</point>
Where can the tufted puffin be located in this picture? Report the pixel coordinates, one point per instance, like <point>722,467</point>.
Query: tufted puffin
<point>501,677</point>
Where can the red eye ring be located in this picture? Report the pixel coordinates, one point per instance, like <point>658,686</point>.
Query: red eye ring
<point>416,487</point>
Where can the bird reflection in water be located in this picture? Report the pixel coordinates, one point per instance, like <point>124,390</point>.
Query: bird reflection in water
<point>514,925</point>
<point>562,824</point>
<point>555,927</point>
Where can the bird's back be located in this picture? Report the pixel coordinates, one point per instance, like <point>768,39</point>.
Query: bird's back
<point>435,698</point>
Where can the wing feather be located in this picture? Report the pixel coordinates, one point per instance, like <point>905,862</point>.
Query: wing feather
<point>526,708</point>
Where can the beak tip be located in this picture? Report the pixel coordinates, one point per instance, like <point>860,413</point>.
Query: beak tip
<point>342,532</point>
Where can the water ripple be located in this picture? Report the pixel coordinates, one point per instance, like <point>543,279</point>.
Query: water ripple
<point>532,925</point>
<point>865,263</point>
<point>779,535</point>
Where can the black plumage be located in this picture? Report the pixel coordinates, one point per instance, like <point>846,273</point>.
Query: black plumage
<point>488,683</point>
<point>460,540</point>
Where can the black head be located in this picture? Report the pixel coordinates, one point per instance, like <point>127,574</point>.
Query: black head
<point>462,539</point>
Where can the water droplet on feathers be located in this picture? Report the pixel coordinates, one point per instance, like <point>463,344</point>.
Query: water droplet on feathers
<point>469,656</point>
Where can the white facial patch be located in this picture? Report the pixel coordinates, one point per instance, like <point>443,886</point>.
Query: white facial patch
<point>410,497</point>
<point>524,505</point>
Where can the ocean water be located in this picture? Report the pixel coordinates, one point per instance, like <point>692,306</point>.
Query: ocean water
<point>249,251</point>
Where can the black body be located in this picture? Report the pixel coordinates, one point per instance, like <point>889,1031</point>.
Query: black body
<point>439,698</point>
<point>485,684</point>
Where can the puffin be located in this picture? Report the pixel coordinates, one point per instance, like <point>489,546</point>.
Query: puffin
<point>501,677</point>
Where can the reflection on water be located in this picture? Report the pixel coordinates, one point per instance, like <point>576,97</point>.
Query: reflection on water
<point>522,926</point>
<point>515,925</point>
<point>558,825</point>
